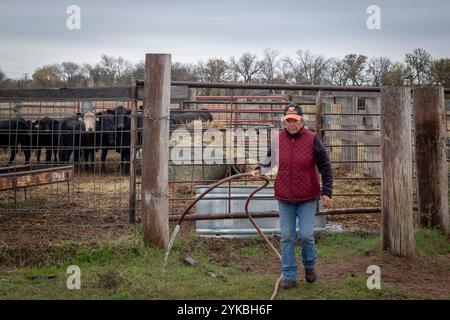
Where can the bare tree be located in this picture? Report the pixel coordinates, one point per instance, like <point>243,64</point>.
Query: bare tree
<point>2,75</point>
<point>292,70</point>
<point>440,72</point>
<point>247,67</point>
<point>138,70</point>
<point>419,62</point>
<point>92,72</point>
<point>114,71</point>
<point>5,82</point>
<point>214,70</point>
<point>183,72</point>
<point>70,73</point>
<point>377,69</point>
<point>348,71</point>
<point>269,66</point>
<point>396,75</point>
<point>307,68</point>
<point>353,68</point>
<point>314,66</point>
<point>336,74</point>
<point>286,75</point>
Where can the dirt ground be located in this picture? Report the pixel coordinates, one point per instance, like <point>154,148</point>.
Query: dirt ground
<point>420,276</point>
<point>96,208</point>
<point>32,235</point>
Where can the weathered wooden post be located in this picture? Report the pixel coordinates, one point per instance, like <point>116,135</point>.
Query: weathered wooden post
<point>349,151</point>
<point>431,161</point>
<point>320,133</point>
<point>155,149</point>
<point>319,115</point>
<point>372,153</point>
<point>133,148</point>
<point>396,182</point>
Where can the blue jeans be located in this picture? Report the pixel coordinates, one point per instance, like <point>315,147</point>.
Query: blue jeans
<point>289,212</point>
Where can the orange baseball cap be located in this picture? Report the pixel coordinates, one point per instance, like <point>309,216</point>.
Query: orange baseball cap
<point>293,111</point>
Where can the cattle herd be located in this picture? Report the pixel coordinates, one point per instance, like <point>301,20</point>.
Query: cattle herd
<point>82,135</point>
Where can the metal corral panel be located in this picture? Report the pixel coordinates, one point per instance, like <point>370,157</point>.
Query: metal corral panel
<point>240,228</point>
<point>30,178</point>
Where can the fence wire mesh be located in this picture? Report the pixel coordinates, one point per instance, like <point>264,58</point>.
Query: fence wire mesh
<point>75,165</point>
<point>64,164</point>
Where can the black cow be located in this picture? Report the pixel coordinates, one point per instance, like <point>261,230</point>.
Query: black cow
<point>14,132</point>
<point>123,135</point>
<point>45,135</point>
<point>103,138</point>
<point>72,135</point>
<point>182,117</point>
<point>122,121</point>
<point>122,118</point>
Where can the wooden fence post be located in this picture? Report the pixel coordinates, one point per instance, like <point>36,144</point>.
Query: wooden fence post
<point>155,149</point>
<point>133,147</point>
<point>396,154</point>
<point>431,161</point>
<point>320,133</point>
<point>371,153</point>
<point>319,115</point>
<point>349,153</point>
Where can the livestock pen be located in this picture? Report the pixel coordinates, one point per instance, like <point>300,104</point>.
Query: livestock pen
<point>97,198</point>
<point>349,124</point>
<point>106,200</point>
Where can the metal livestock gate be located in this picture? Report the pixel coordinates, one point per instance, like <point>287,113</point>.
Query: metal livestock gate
<point>349,123</point>
<point>348,120</point>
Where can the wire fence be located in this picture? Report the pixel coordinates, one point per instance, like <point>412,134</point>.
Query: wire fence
<point>69,178</point>
<point>350,127</point>
<point>75,161</point>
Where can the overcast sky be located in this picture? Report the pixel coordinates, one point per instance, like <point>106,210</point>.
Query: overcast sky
<point>34,33</point>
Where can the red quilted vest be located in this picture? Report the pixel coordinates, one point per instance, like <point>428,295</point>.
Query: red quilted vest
<point>297,179</point>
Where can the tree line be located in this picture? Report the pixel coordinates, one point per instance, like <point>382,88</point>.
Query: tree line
<point>418,67</point>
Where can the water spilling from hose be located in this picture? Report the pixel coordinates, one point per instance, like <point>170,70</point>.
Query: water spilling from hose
<point>204,193</point>
<point>169,247</point>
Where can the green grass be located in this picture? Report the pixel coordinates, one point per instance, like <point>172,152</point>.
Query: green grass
<point>126,269</point>
<point>432,242</point>
<point>346,244</point>
<point>348,288</point>
<point>250,252</point>
<point>137,277</point>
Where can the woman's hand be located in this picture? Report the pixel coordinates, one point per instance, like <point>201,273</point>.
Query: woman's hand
<point>255,174</point>
<point>326,201</point>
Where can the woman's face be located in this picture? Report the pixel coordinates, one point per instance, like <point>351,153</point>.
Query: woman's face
<point>293,126</point>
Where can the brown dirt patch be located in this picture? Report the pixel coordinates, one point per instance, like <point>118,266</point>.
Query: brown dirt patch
<point>417,277</point>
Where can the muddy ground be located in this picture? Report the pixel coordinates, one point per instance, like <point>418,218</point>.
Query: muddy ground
<point>96,209</point>
<point>95,205</point>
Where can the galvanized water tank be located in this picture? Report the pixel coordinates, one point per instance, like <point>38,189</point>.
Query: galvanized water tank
<point>240,228</point>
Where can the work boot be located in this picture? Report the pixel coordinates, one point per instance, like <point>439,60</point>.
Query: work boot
<point>287,284</point>
<point>310,275</point>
